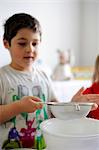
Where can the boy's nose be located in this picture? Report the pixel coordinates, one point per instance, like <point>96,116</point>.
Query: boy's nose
<point>30,49</point>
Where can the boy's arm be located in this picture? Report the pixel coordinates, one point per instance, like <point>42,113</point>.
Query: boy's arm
<point>27,104</point>
<point>8,111</point>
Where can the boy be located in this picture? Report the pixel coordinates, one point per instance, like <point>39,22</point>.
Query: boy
<point>23,85</point>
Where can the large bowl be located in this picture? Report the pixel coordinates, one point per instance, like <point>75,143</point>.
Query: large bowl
<point>78,134</point>
<point>71,110</point>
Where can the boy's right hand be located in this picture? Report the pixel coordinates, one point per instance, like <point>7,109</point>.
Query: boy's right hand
<point>30,104</point>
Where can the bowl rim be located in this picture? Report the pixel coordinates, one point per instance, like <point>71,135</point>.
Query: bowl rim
<point>72,103</point>
<point>44,123</point>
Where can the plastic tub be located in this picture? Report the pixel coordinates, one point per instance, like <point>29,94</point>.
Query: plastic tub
<point>77,134</point>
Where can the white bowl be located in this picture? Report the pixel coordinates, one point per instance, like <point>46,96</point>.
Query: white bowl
<point>78,134</point>
<point>71,110</point>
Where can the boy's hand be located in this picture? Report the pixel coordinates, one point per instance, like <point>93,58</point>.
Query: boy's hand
<point>30,104</point>
<point>27,104</point>
<point>91,98</point>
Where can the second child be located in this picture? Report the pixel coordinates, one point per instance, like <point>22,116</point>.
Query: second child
<point>94,89</point>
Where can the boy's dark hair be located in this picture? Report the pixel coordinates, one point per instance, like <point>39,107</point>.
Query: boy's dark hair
<point>17,22</point>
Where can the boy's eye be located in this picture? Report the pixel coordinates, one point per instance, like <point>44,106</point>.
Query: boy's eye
<point>22,44</point>
<point>34,44</point>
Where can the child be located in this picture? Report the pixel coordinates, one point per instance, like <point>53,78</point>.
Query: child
<point>94,89</point>
<point>63,70</point>
<point>23,86</point>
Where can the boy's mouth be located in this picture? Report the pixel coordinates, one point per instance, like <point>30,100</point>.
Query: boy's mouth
<point>29,58</point>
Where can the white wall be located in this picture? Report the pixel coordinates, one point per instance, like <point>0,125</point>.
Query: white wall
<point>89,31</point>
<point>67,24</point>
<point>59,20</point>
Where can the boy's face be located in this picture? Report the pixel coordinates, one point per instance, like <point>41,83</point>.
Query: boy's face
<point>23,49</point>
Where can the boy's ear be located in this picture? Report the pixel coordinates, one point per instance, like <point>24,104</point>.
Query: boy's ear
<point>6,44</point>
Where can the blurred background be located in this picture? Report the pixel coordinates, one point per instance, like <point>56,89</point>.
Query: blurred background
<point>67,25</point>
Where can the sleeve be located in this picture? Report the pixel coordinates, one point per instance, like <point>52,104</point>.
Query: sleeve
<point>51,89</point>
<point>89,90</point>
<point>0,92</point>
<point>52,94</point>
<point>2,89</point>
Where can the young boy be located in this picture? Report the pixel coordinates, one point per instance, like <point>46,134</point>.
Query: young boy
<point>23,86</point>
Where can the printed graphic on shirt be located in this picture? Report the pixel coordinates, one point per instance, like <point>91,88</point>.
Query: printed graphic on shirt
<point>29,136</point>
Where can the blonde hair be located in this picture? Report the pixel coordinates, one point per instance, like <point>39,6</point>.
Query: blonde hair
<point>95,77</point>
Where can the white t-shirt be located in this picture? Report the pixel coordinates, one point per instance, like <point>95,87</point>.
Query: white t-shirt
<point>23,130</point>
